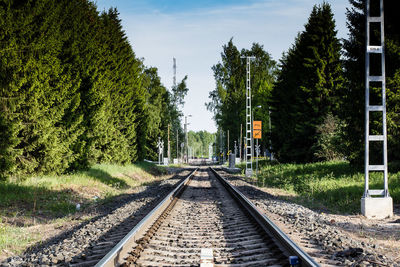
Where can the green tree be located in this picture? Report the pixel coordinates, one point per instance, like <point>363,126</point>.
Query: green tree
<point>228,99</point>
<point>199,142</point>
<point>307,88</point>
<point>38,89</point>
<point>72,91</point>
<point>354,91</point>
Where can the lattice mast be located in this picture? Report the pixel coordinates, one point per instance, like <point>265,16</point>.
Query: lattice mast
<point>249,128</point>
<point>380,79</point>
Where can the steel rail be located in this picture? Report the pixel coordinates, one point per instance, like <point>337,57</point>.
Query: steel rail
<point>118,254</point>
<point>268,225</point>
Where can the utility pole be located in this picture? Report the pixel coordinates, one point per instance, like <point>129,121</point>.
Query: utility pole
<point>169,146</point>
<point>177,145</point>
<point>228,140</point>
<point>235,148</point>
<point>177,134</point>
<point>257,147</point>
<point>186,144</point>
<point>220,146</point>
<point>240,143</point>
<point>223,147</point>
<point>270,135</point>
<point>186,139</point>
<point>249,127</point>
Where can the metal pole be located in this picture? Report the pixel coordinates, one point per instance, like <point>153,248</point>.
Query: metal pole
<point>220,146</point>
<point>235,150</point>
<point>366,170</point>
<point>249,126</point>
<point>385,159</point>
<point>240,143</point>
<point>228,141</point>
<point>257,157</point>
<point>223,148</point>
<point>270,134</point>
<point>186,139</point>
<point>169,148</point>
<point>177,145</point>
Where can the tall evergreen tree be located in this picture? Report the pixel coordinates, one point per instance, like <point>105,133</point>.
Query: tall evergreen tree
<point>38,89</point>
<point>72,92</point>
<point>151,119</point>
<point>354,91</point>
<point>307,88</point>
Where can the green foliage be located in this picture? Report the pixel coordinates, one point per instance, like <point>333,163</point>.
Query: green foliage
<point>334,185</point>
<point>353,111</point>
<point>72,91</point>
<point>199,143</point>
<point>228,99</point>
<point>329,143</point>
<point>7,141</point>
<point>307,88</point>
<point>51,199</point>
<point>162,110</point>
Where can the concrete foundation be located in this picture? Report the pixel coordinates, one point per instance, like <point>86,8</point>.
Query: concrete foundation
<point>377,207</point>
<point>249,173</point>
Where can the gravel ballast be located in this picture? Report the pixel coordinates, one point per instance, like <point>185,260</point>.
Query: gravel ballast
<point>77,244</point>
<point>326,237</point>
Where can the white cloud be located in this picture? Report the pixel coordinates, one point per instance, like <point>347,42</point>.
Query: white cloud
<point>195,39</point>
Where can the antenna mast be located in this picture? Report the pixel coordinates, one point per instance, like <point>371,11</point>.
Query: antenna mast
<point>174,68</point>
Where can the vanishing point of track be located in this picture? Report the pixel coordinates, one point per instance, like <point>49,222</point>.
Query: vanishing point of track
<point>206,222</point>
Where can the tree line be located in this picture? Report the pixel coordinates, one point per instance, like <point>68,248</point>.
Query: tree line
<point>73,93</point>
<point>199,143</point>
<point>314,97</point>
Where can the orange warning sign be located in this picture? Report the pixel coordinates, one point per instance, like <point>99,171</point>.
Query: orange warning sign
<point>257,129</point>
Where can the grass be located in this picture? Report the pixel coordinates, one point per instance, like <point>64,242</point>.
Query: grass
<point>334,185</point>
<point>50,199</point>
<point>11,237</point>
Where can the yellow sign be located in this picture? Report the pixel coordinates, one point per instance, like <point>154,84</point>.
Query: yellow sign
<point>257,129</point>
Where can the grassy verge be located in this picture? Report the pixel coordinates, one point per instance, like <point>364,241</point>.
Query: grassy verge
<point>335,185</point>
<point>51,200</point>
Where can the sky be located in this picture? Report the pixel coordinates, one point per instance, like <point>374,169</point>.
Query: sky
<point>194,31</point>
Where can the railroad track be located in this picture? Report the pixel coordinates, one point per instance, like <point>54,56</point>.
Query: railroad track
<point>205,222</point>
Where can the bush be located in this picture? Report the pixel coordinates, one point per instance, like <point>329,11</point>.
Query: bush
<point>330,135</point>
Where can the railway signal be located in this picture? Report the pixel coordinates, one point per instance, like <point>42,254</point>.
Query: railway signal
<point>160,145</point>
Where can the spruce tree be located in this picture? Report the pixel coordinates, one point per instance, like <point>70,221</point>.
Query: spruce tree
<point>307,89</point>
<point>354,91</point>
<point>72,91</point>
<point>38,88</point>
